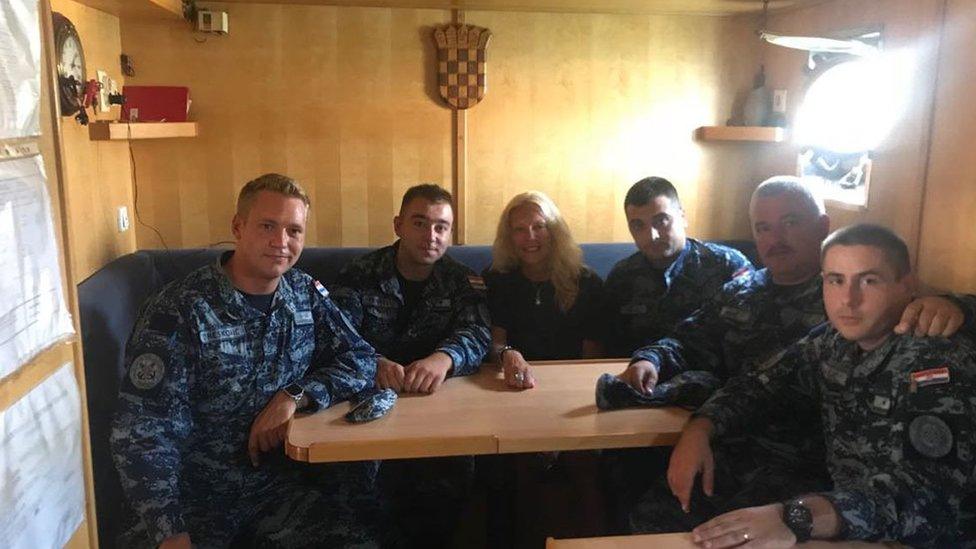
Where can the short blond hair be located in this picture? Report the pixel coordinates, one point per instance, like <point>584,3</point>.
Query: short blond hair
<point>566,260</point>
<point>274,182</point>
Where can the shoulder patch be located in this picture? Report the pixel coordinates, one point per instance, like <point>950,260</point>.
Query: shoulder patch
<point>930,436</point>
<point>321,289</point>
<point>477,282</point>
<point>146,371</point>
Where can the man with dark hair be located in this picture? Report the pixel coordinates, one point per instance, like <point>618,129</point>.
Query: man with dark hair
<point>669,277</point>
<point>424,313</point>
<point>217,365</point>
<point>427,317</point>
<point>898,414</point>
<point>751,321</point>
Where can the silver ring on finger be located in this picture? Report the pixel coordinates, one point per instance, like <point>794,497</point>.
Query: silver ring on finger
<point>519,377</point>
<point>745,536</point>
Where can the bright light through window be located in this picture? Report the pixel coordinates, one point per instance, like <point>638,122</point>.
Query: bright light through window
<point>852,106</point>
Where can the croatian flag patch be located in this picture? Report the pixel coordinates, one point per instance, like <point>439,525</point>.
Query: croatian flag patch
<point>477,282</point>
<point>933,376</point>
<point>321,289</point>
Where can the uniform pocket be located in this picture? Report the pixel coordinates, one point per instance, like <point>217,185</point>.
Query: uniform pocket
<point>223,374</point>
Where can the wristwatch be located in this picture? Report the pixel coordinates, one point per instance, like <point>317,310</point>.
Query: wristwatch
<point>799,519</point>
<point>296,392</point>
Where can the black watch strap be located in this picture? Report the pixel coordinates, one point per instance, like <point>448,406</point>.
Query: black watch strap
<point>799,519</point>
<point>295,391</point>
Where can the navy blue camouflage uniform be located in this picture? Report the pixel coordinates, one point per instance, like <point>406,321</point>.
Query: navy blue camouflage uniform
<point>450,316</point>
<point>645,303</point>
<point>748,324</point>
<point>201,364</point>
<point>899,423</point>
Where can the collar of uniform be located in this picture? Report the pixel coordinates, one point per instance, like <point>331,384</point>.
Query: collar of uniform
<point>849,360</point>
<point>387,271</point>
<point>676,266</point>
<point>391,285</point>
<point>234,301</point>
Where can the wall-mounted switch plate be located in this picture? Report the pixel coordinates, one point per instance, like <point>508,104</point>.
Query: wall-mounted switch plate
<point>123,219</point>
<point>105,87</point>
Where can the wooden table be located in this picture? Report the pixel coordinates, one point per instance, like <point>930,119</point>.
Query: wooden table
<point>479,414</point>
<point>683,541</point>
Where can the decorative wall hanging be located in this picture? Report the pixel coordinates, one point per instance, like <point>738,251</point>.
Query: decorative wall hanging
<point>461,60</point>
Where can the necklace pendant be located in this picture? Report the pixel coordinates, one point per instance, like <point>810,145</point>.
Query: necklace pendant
<point>538,301</point>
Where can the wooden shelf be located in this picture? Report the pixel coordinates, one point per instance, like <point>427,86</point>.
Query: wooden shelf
<point>140,9</point>
<point>103,130</point>
<point>760,134</point>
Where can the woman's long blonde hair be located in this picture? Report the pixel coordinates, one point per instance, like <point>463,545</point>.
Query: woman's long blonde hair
<point>566,258</point>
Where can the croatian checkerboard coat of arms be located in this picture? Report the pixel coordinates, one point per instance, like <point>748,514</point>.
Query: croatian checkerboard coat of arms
<point>461,60</point>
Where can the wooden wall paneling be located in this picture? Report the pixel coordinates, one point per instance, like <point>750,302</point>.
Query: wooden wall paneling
<point>900,161</point>
<point>97,178</point>
<point>947,249</point>
<point>582,106</point>
<point>697,7</point>
<point>338,98</point>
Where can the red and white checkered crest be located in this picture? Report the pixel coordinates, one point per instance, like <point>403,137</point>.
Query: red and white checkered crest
<point>461,56</point>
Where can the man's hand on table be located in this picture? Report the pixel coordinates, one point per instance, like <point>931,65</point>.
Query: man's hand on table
<point>427,374</point>
<point>691,456</point>
<point>270,426</point>
<point>753,526</point>
<point>179,541</point>
<point>389,374</point>
<point>641,375</point>
<point>516,370</point>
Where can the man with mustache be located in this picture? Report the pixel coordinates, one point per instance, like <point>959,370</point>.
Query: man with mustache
<point>898,415</point>
<point>753,319</point>
<point>427,317</point>
<point>669,277</point>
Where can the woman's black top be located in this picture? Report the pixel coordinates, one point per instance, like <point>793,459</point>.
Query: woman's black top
<point>535,326</point>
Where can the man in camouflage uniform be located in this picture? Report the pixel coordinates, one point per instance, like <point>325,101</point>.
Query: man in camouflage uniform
<point>217,364</point>
<point>898,414</point>
<point>753,319</point>
<point>648,294</point>
<point>427,316</point>
<point>424,313</point>
<point>669,277</point>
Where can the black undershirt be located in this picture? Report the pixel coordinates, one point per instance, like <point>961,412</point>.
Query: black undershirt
<point>411,290</point>
<point>261,302</point>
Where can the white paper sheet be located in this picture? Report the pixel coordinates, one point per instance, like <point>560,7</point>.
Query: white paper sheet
<point>42,492</point>
<point>33,314</point>
<point>20,69</point>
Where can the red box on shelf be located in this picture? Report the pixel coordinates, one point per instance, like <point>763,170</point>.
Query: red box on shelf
<point>155,103</point>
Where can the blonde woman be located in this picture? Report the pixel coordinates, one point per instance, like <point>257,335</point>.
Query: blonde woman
<point>544,303</point>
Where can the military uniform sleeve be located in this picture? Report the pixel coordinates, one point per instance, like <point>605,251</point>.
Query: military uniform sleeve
<point>343,363</point>
<point>736,262</point>
<point>470,335</point>
<point>695,344</point>
<point>916,499</point>
<point>499,304</point>
<point>790,376</point>
<point>153,418</point>
<point>967,303</point>
<point>347,297</point>
<point>615,339</point>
